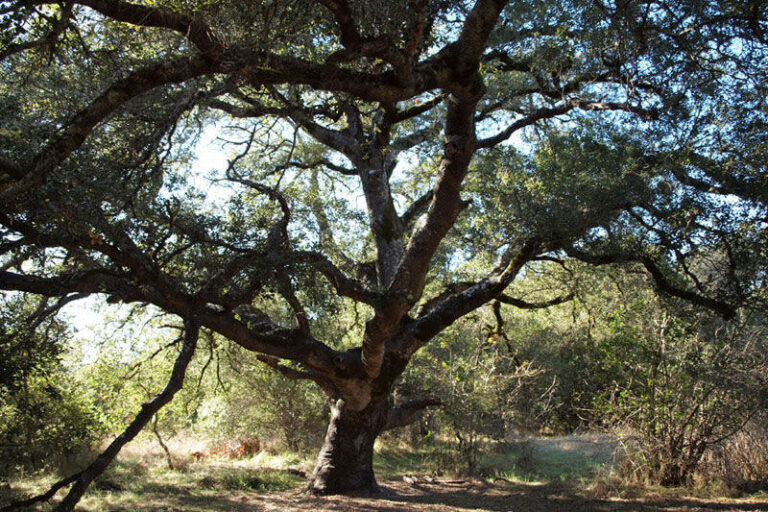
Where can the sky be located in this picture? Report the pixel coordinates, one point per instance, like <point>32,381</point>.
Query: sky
<point>88,317</point>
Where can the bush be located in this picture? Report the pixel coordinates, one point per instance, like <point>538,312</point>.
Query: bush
<point>46,425</point>
<point>284,413</point>
<point>676,381</point>
<point>479,381</point>
<point>741,462</point>
<point>682,386</point>
<point>44,420</point>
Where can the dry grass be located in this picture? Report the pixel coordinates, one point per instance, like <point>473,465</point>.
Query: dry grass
<point>551,474</point>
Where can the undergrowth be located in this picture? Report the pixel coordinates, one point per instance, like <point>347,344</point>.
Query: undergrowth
<point>139,480</point>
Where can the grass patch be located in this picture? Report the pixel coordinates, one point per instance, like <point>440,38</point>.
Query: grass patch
<point>138,481</point>
<point>539,460</point>
<point>569,459</point>
<point>394,460</point>
<point>123,476</point>
<point>437,458</point>
<point>141,481</point>
<point>260,480</point>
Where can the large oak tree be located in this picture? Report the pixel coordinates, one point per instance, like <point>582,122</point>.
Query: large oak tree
<point>408,157</point>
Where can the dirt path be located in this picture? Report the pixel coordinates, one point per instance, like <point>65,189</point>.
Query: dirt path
<point>407,495</point>
<point>463,495</point>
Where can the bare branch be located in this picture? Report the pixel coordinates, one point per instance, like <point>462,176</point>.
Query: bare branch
<point>40,316</point>
<point>507,63</point>
<point>78,129</point>
<point>162,17</point>
<point>726,310</point>
<point>344,285</point>
<point>521,304</point>
<point>343,141</point>
<point>397,116</point>
<point>79,282</point>
<point>285,371</point>
<point>260,336</point>
<point>357,47</point>
<point>413,139</point>
<point>286,290</point>
<point>291,373</point>
<point>243,111</point>
<point>345,20</point>
<point>401,415</point>
<point>550,112</point>
<point>446,308</point>
<point>417,208</point>
<point>320,162</point>
<point>542,113</point>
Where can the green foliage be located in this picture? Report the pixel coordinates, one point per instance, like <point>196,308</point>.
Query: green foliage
<point>47,424</point>
<point>23,350</point>
<point>123,371</point>
<point>676,383</point>
<point>259,480</point>
<point>227,394</point>
<point>480,379</point>
<point>680,386</point>
<point>44,418</point>
<point>282,412</point>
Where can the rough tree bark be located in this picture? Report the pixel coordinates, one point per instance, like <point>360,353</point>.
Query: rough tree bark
<point>345,463</point>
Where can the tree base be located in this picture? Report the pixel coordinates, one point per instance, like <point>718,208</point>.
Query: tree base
<point>365,491</point>
<point>345,463</point>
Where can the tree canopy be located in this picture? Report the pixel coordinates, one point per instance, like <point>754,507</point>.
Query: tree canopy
<point>411,159</point>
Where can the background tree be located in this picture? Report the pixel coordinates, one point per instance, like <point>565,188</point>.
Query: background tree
<point>629,154</point>
<point>44,419</point>
<point>681,384</point>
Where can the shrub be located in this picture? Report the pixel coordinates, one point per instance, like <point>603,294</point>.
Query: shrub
<point>44,420</point>
<point>682,386</point>
<point>741,462</point>
<point>46,425</point>
<point>283,413</point>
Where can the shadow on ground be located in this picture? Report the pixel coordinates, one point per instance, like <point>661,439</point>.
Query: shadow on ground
<point>458,496</point>
<point>416,495</point>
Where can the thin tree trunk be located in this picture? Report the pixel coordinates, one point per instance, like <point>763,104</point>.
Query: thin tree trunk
<point>84,478</point>
<point>168,456</point>
<point>149,409</point>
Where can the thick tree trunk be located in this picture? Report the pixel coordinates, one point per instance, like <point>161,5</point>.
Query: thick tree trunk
<point>345,463</point>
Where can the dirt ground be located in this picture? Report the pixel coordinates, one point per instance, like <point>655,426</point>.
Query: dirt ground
<point>425,494</point>
<point>564,469</point>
